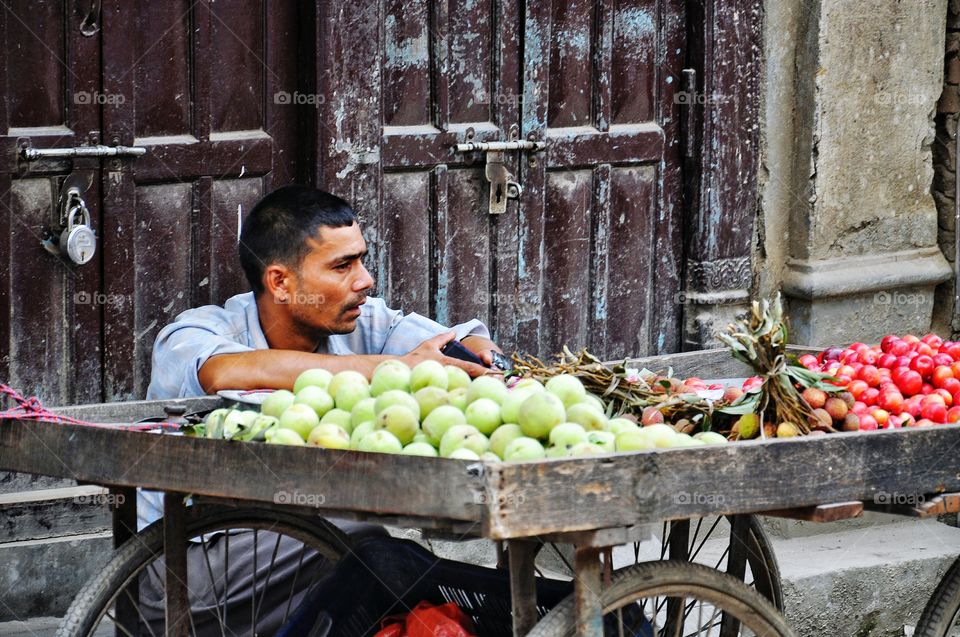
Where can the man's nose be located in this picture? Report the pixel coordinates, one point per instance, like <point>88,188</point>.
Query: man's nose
<point>364,281</point>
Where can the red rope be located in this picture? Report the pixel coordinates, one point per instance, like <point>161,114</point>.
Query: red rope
<point>32,409</point>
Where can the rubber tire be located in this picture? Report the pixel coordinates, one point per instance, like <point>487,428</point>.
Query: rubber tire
<point>761,558</point>
<point>940,613</point>
<point>90,604</point>
<point>666,576</point>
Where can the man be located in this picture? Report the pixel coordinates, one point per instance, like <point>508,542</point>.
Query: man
<point>301,250</point>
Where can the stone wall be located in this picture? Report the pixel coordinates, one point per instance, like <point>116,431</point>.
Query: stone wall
<point>849,227</point>
<point>945,319</point>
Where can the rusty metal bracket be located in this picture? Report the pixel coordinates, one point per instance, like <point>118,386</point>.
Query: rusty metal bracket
<point>503,185</point>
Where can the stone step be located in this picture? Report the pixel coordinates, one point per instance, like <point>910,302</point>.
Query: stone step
<point>864,582</point>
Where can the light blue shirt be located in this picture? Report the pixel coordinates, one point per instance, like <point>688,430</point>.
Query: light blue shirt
<point>183,346</point>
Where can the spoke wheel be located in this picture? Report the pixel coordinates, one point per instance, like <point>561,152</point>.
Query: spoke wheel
<point>247,571</point>
<point>674,599</point>
<point>690,540</point>
<point>941,616</point>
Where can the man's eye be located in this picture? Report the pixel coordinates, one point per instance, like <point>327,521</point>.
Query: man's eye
<point>342,267</point>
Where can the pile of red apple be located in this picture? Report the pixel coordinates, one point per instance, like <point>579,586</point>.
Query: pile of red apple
<point>904,382</point>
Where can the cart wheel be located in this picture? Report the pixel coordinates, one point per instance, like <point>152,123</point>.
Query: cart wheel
<point>762,571</point>
<point>941,616</point>
<point>673,599</point>
<point>248,569</point>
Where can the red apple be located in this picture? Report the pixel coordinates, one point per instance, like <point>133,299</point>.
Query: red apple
<point>935,412</point>
<point>870,375</point>
<point>910,382</point>
<point>886,343</point>
<point>868,423</point>
<point>922,364</point>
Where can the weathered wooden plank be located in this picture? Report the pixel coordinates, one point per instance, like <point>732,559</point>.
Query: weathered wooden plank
<point>325,479</point>
<point>134,410</point>
<point>624,489</point>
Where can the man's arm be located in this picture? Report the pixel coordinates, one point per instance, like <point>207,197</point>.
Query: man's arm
<point>482,347</point>
<point>278,369</point>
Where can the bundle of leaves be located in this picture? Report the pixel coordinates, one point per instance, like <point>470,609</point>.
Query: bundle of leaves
<point>760,340</point>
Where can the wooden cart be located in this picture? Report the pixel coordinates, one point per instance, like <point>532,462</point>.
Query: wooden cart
<point>591,503</point>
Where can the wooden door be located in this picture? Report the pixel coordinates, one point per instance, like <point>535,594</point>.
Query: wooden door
<point>50,97</point>
<point>590,254</point>
<point>209,90</point>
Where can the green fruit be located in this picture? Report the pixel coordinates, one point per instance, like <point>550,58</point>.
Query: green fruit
<point>484,414</point>
<point>440,420</point>
<point>487,387</point>
<point>503,436</point>
<point>524,449</point>
<point>661,435</point>
<point>489,456</point>
<point>261,425</point>
<point>557,452</point>
<point>329,436</point>
<point>596,402</point>
<point>586,415</point>
<point>458,398</point>
<point>338,417</point>
<point>567,434</point>
<point>633,440</point>
<point>459,436</point>
<point>585,449</point>
<point>281,436</point>
<point>510,410</point>
<point>363,411</point>
<point>528,384</point>
<point>602,439</point>
<point>749,426</point>
<point>317,377</point>
<point>361,430</point>
<point>316,398</point>
<point>420,449</point>
<point>399,421</point>
<point>299,417</point>
<point>567,388</point>
<point>277,402</point>
<point>390,374</point>
<point>463,454</point>
<point>397,397</point>
<point>429,374</point>
<point>540,413</point>
<point>346,379</point>
<point>429,398</point>
<point>350,394</point>
<point>617,426</point>
<point>710,438</point>
<point>421,437</point>
<point>238,422</point>
<point>456,378</point>
<point>380,441</point>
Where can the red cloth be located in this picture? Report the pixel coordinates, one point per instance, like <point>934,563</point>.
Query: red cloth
<point>427,620</point>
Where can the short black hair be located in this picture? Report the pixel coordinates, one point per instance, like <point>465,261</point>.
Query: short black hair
<point>278,227</point>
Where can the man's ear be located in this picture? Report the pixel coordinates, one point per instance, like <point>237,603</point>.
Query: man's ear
<point>277,281</point>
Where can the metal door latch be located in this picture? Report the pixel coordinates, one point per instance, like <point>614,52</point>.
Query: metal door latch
<point>502,184</point>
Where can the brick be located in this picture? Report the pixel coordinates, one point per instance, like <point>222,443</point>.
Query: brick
<point>949,101</point>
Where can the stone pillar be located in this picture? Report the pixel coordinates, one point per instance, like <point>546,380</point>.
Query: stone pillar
<point>863,258</point>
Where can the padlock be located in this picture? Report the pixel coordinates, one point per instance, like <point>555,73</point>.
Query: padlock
<point>78,241</point>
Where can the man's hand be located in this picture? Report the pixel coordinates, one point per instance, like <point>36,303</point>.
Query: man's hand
<point>482,347</point>
<point>431,348</point>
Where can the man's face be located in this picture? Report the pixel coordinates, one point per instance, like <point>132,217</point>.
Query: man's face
<point>332,283</point>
